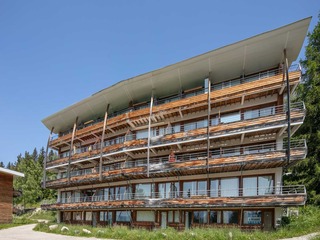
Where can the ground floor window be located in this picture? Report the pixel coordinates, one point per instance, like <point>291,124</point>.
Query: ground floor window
<point>215,217</point>
<point>123,216</point>
<point>230,217</point>
<point>88,216</point>
<point>105,216</point>
<point>145,216</point>
<point>77,216</point>
<point>66,216</point>
<point>173,216</point>
<point>200,217</point>
<point>252,217</point>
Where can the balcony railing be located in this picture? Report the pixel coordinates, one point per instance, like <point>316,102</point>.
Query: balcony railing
<point>214,87</point>
<point>194,194</point>
<point>225,124</point>
<point>259,151</point>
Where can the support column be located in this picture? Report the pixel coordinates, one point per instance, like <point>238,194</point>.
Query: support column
<point>102,141</point>
<point>208,124</point>
<point>288,104</point>
<point>149,135</point>
<point>71,146</point>
<point>46,159</point>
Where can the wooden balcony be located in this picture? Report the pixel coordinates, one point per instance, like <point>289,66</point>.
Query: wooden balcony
<point>247,90</point>
<point>273,122</point>
<point>271,197</point>
<point>223,160</point>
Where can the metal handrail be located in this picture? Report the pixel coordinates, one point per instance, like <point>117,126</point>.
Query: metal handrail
<point>226,84</point>
<point>222,152</point>
<point>194,194</point>
<point>158,139</point>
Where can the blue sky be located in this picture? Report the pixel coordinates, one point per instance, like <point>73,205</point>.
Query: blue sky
<point>55,53</point>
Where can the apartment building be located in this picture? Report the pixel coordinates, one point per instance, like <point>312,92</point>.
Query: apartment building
<point>202,142</point>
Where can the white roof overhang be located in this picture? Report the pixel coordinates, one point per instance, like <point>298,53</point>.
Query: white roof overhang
<point>11,172</point>
<point>251,55</point>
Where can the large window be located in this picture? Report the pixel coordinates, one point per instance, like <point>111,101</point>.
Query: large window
<point>252,217</point>
<point>88,216</point>
<point>173,216</point>
<point>142,134</point>
<point>215,217</point>
<point>200,217</point>
<point>229,187</point>
<point>194,188</point>
<point>168,190</point>
<point>257,185</point>
<point>123,193</point>
<point>123,216</point>
<point>250,186</point>
<point>106,216</point>
<point>230,117</point>
<point>265,185</point>
<point>145,216</point>
<point>267,111</point>
<point>145,190</point>
<point>230,217</point>
<point>214,188</point>
<point>78,216</point>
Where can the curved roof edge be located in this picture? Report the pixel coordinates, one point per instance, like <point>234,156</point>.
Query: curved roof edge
<point>244,57</point>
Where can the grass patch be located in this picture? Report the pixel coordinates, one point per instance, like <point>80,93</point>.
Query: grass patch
<point>17,221</point>
<point>307,222</point>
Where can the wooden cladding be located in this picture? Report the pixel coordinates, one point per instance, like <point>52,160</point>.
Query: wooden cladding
<point>6,197</point>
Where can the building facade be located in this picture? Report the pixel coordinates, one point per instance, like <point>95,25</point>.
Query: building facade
<point>7,193</point>
<point>203,142</point>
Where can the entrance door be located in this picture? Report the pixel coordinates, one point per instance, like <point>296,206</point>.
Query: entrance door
<point>163,220</point>
<point>267,220</point>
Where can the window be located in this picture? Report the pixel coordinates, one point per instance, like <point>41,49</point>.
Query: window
<point>194,188</point>
<point>77,216</point>
<point>214,188</point>
<point>257,185</point>
<point>230,217</point>
<point>123,193</point>
<point>249,186</point>
<point>105,216</point>
<point>88,216</point>
<point>255,113</point>
<point>215,217</point>
<point>142,134</point>
<point>230,152</point>
<point>200,217</point>
<point>252,217</point>
<point>173,216</point>
<point>168,190</point>
<point>66,216</point>
<point>265,185</point>
<point>145,216</point>
<point>123,216</point>
<point>229,187</point>
<point>145,190</point>
<point>230,117</point>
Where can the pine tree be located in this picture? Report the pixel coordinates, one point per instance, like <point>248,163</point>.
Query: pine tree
<point>307,172</point>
